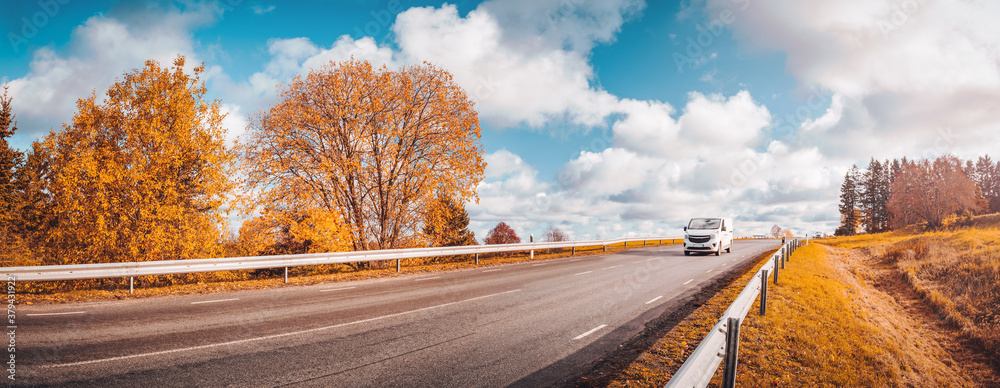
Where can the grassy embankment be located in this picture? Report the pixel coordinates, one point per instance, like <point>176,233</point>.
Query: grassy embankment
<point>893,309</point>
<point>148,286</point>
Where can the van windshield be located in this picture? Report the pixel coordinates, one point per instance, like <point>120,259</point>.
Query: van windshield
<point>705,223</point>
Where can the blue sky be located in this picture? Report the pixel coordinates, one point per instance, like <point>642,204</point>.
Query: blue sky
<point>589,123</point>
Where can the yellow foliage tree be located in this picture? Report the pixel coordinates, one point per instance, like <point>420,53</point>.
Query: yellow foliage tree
<point>143,176</point>
<point>372,145</point>
<point>288,232</point>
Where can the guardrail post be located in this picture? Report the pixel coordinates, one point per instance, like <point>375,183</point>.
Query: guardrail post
<point>477,258</point>
<point>776,270</point>
<point>532,239</point>
<point>286,274</point>
<point>574,252</point>
<point>605,247</point>
<point>732,352</point>
<point>763,292</point>
<point>131,282</point>
<point>783,256</point>
<point>397,265</point>
<point>643,243</point>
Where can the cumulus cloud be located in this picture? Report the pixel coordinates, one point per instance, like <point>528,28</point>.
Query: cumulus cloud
<point>510,83</point>
<point>902,71</point>
<point>100,51</point>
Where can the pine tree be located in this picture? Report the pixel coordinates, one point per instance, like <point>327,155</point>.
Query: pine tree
<point>10,159</point>
<point>446,224</point>
<point>986,175</point>
<point>849,217</point>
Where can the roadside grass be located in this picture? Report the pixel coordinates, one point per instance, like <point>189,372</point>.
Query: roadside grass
<point>201,283</point>
<point>655,366</point>
<point>956,271</point>
<point>826,325</point>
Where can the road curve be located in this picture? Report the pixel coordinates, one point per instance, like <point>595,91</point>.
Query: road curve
<point>528,324</point>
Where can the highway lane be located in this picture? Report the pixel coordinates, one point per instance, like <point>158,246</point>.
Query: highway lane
<point>527,324</point>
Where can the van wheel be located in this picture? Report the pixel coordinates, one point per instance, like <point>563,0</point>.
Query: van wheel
<point>730,249</point>
<point>687,253</point>
<point>717,251</point>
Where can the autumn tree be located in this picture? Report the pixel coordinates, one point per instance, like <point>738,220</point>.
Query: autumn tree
<point>371,145</point>
<point>143,175</point>
<point>502,234</point>
<point>776,231</point>
<point>291,232</point>
<point>553,234</point>
<point>446,224</point>
<point>929,191</point>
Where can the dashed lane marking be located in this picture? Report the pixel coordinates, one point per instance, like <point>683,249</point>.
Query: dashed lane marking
<point>216,301</point>
<point>337,289</point>
<point>46,314</point>
<point>589,332</point>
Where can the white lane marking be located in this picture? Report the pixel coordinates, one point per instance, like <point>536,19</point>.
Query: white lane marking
<point>494,270</point>
<point>535,265</point>
<point>708,271</point>
<point>637,262</point>
<point>214,301</point>
<point>655,299</point>
<point>589,332</point>
<point>614,266</point>
<point>430,278</point>
<point>574,260</point>
<point>582,273</point>
<point>337,289</point>
<point>689,281</point>
<point>45,314</point>
<point>723,264</point>
<point>273,336</point>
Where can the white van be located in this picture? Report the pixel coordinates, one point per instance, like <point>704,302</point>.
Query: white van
<point>708,235</point>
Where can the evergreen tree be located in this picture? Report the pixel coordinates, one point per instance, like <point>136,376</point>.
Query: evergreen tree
<point>849,217</point>
<point>446,224</point>
<point>986,175</point>
<point>10,160</point>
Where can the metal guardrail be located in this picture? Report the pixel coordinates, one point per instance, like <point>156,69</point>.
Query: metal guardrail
<point>167,267</point>
<point>719,345</point>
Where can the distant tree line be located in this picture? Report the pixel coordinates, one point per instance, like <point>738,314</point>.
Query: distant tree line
<point>892,194</point>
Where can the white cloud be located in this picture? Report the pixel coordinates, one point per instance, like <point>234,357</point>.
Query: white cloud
<point>261,10</point>
<point>902,71</point>
<point>663,168</point>
<point>100,51</point>
<point>511,84</point>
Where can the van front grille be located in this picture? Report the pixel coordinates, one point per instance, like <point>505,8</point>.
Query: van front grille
<point>699,239</point>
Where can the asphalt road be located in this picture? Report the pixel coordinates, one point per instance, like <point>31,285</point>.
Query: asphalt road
<point>529,324</point>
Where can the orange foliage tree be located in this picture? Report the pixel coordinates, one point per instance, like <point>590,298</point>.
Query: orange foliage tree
<point>372,146</point>
<point>930,191</point>
<point>142,176</point>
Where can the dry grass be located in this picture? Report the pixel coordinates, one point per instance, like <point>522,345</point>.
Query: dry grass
<point>837,318</point>
<point>956,271</point>
<point>655,367</point>
<point>151,286</point>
